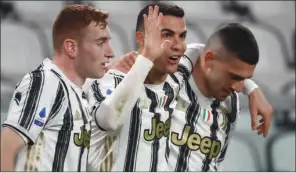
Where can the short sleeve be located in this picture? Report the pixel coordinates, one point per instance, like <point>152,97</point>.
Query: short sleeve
<point>31,103</point>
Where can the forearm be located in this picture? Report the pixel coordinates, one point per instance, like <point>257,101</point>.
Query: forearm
<point>114,109</point>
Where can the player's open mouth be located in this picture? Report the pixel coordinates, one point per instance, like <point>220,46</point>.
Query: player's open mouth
<point>174,59</point>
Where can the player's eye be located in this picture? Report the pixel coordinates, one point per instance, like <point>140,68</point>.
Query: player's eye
<point>236,77</point>
<point>100,43</point>
<point>183,36</point>
<point>167,35</point>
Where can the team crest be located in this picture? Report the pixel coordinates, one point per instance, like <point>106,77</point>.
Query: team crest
<point>224,112</point>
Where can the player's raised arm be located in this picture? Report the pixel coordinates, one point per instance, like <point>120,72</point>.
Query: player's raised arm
<point>29,110</point>
<point>110,113</point>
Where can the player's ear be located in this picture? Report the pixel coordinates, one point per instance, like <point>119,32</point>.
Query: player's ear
<point>140,38</point>
<point>71,47</point>
<point>208,59</point>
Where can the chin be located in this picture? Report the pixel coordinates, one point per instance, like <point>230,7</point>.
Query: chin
<point>171,69</point>
<point>221,97</point>
<point>100,75</point>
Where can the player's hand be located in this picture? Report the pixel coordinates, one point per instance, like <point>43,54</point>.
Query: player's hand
<point>154,46</point>
<point>125,62</point>
<point>259,106</point>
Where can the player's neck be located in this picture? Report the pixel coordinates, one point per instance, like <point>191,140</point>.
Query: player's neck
<point>155,77</point>
<point>200,81</point>
<point>67,67</point>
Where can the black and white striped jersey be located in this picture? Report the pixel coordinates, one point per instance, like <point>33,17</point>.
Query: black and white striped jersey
<point>52,114</point>
<point>142,142</point>
<point>200,130</point>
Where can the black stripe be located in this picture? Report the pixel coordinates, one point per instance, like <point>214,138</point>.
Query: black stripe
<point>169,92</point>
<point>33,99</point>
<point>133,139</point>
<point>63,142</point>
<point>175,79</point>
<point>155,144</point>
<point>184,71</point>
<point>117,80</point>
<point>231,118</point>
<point>99,98</point>
<point>26,99</point>
<point>185,56</point>
<point>97,92</point>
<point>40,93</point>
<point>60,96</point>
<point>117,75</point>
<point>64,135</point>
<point>192,114</point>
<point>214,127</point>
<point>40,67</point>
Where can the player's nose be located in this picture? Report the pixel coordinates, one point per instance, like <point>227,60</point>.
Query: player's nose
<point>179,46</point>
<point>109,53</point>
<point>238,86</point>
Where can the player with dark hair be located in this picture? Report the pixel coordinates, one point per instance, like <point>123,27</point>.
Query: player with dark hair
<point>48,123</point>
<point>135,109</point>
<point>208,106</point>
<point>138,117</point>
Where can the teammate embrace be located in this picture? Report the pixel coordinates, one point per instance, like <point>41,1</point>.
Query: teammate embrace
<point>145,114</point>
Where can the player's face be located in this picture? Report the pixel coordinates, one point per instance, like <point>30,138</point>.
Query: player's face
<point>173,29</point>
<point>223,70</point>
<point>94,51</point>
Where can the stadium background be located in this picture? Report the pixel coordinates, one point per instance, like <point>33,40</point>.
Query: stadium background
<point>26,41</point>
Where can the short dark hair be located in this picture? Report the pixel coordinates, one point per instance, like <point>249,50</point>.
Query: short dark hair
<point>165,9</point>
<point>240,40</point>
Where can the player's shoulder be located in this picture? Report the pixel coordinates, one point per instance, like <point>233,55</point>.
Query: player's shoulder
<point>198,46</point>
<point>111,79</point>
<point>193,50</point>
<point>38,76</point>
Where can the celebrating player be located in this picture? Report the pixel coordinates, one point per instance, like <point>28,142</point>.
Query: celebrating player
<point>48,123</point>
<point>138,116</point>
<point>145,126</point>
<point>208,107</point>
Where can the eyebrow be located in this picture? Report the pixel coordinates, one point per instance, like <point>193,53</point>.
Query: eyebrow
<point>238,77</point>
<point>172,32</point>
<point>103,39</point>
